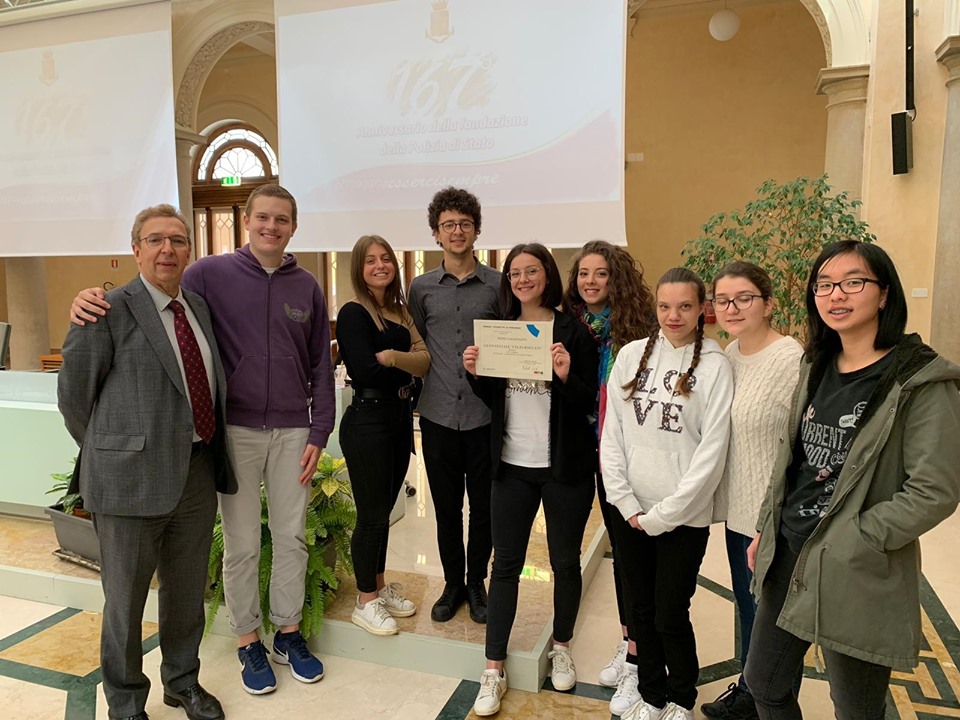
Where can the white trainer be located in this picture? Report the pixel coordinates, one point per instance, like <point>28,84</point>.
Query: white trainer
<point>627,693</point>
<point>674,712</point>
<point>643,711</point>
<point>374,618</point>
<point>610,675</point>
<point>395,603</point>
<point>493,685</point>
<point>563,674</point>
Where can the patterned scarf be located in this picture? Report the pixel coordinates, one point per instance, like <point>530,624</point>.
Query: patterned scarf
<point>599,327</point>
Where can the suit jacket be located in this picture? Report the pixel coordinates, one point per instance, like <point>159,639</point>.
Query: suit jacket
<point>123,400</point>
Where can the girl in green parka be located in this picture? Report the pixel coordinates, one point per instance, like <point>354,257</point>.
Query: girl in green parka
<point>867,465</point>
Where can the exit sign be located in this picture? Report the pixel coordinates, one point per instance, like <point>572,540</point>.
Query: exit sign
<point>230,181</point>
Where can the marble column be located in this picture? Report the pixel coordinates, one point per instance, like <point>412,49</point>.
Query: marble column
<point>186,141</point>
<point>944,335</point>
<point>846,91</point>
<point>27,311</point>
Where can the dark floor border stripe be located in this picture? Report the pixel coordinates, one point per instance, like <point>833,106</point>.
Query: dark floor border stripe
<point>82,701</point>
<point>461,701</point>
<point>715,587</point>
<point>38,676</point>
<point>37,627</point>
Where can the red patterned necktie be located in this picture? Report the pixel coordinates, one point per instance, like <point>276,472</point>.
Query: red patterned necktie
<point>197,383</point>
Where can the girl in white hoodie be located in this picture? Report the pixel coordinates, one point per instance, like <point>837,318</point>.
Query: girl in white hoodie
<point>663,448</point>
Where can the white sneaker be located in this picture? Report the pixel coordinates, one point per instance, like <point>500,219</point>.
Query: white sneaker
<point>610,675</point>
<point>643,711</point>
<point>492,688</point>
<point>395,603</point>
<point>627,693</point>
<point>564,674</point>
<point>374,618</point>
<point>674,712</point>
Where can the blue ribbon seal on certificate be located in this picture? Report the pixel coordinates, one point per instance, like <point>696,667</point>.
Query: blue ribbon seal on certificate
<point>534,330</point>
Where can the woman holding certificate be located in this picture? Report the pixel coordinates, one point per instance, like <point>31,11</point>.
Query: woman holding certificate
<point>607,291</point>
<point>663,447</point>
<point>543,449</point>
<point>382,350</point>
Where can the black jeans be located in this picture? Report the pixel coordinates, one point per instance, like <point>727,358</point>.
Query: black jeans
<point>517,494</point>
<point>376,437</point>
<point>858,688</point>
<point>610,515</point>
<point>454,460</point>
<point>660,572</point>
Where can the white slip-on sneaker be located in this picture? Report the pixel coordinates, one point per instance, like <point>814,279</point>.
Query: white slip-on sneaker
<point>563,674</point>
<point>395,603</point>
<point>374,618</point>
<point>627,693</point>
<point>641,710</point>
<point>610,675</point>
<point>674,712</point>
<point>493,685</point>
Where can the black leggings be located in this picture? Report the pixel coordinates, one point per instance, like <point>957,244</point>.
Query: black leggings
<point>516,496</point>
<point>610,515</point>
<point>376,438</point>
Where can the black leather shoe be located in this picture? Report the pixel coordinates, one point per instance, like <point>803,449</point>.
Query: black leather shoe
<point>138,716</point>
<point>477,598</point>
<point>453,597</point>
<point>197,702</point>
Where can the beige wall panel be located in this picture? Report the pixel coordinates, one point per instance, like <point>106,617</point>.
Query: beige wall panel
<point>902,209</point>
<point>714,120</point>
<point>242,86</point>
<point>66,276</point>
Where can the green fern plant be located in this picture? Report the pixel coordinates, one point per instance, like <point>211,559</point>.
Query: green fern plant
<point>331,517</point>
<point>782,230</point>
<point>70,503</point>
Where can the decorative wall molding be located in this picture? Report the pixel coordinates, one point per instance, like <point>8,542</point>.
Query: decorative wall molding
<point>202,62</point>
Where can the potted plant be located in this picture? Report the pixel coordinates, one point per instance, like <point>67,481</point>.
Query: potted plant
<point>72,524</point>
<point>782,231</point>
<point>331,517</point>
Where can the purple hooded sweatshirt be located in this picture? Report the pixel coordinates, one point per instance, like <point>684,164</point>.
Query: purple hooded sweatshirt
<point>274,338</point>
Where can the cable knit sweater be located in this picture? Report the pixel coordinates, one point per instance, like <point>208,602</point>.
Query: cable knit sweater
<point>764,383</point>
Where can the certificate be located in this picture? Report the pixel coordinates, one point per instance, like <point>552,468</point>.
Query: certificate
<point>514,349</point>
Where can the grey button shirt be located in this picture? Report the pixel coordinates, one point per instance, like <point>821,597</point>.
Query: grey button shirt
<point>444,308</point>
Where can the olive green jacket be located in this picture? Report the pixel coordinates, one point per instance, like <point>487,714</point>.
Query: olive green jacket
<point>856,585</point>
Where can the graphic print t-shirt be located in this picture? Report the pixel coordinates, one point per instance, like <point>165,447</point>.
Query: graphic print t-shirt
<point>826,431</point>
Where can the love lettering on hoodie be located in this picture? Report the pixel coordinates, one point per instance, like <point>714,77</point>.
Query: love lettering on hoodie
<point>667,411</point>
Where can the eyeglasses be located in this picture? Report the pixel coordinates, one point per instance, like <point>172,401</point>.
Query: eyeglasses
<point>740,302</point>
<point>850,286</point>
<point>155,241</point>
<point>530,273</point>
<point>450,225</point>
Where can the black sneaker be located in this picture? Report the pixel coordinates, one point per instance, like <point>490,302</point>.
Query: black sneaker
<point>743,708</point>
<point>720,707</point>
<point>477,598</point>
<point>453,597</point>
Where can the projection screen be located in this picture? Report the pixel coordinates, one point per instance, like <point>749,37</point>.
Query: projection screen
<point>381,104</point>
<point>87,129</point>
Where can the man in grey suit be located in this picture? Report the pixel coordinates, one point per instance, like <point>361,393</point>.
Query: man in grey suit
<point>143,393</point>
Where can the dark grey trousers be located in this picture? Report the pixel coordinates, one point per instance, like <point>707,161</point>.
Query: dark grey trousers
<point>177,547</point>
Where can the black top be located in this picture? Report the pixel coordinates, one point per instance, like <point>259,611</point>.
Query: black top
<point>826,434</point>
<point>360,340</point>
<point>573,441</point>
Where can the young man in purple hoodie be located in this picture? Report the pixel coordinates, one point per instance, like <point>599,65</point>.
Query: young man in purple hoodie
<point>271,323</point>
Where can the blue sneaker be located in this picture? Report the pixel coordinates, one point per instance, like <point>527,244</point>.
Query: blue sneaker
<point>291,649</point>
<point>255,671</point>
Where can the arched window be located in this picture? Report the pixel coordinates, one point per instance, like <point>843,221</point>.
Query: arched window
<point>236,160</point>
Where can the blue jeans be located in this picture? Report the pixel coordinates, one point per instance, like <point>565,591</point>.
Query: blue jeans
<point>740,577</point>
<point>858,688</point>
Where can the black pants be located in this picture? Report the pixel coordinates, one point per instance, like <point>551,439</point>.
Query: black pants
<point>610,515</point>
<point>660,572</point>
<point>454,460</point>
<point>517,494</point>
<point>376,438</point>
<point>177,546</point>
<point>858,688</point>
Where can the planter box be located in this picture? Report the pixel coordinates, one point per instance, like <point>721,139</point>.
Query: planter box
<point>76,536</point>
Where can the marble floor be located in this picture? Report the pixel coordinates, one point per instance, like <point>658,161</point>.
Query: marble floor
<point>49,670</point>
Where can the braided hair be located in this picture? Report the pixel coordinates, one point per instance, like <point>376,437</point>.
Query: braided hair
<point>684,384</point>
